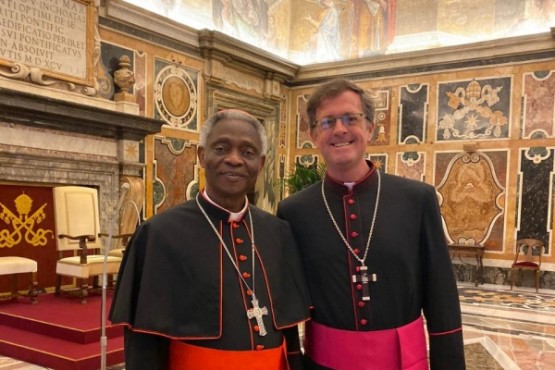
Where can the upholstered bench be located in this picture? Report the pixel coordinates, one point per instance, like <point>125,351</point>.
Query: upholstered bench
<point>13,265</point>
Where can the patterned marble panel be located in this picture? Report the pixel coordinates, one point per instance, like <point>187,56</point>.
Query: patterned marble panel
<point>539,105</point>
<point>302,125</point>
<point>382,116</point>
<point>411,165</point>
<point>413,110</point>
<point>535,194</point>
<point>379,159</point>
<point>140,81</point>
<point>175,172</point>
<point>176,95</point>
<point>266,192</point>
<point>474,109</point>
<point>471,198</point>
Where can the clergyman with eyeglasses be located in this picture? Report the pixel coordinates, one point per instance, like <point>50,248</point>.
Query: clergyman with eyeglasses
<point>373,250</point>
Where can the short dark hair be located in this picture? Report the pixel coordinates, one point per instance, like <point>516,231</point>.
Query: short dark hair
<point>237,114</point>
<point>332,89</point>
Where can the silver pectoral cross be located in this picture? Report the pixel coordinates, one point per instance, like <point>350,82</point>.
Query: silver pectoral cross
<point>257,312</point>
<point>364,278</point>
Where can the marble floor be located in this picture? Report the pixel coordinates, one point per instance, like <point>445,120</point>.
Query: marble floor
<point>503,329</point>
<point>515,328</point>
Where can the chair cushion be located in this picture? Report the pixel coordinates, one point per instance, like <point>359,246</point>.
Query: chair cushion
<point>529,265</point>
<point>16,265</point>
<point>118,252</point>
<point>71,266</point>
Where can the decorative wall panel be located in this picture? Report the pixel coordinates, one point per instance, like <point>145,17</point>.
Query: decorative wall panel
<point>472,195</point>
<point>535,194</point>
<point>413,113</point>
<point>539,105</point>
<point>302,126</point>
<point>474,109</point>
<point>411,165</point>
<point>176,95</point>
<point>175,172</point>
<point>382,116</point>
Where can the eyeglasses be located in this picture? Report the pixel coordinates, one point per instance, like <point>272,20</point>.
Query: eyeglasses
<point>347,119</point>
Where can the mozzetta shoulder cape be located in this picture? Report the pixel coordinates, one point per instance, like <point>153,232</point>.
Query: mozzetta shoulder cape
<point>171,278</point>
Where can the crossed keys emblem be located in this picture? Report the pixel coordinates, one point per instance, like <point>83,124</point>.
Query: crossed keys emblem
<point>23,225</point>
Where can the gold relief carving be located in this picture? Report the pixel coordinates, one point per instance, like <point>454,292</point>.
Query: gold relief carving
<point>23,223</point>
<point>471,198</point>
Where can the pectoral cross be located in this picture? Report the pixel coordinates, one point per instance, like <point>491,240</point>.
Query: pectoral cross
<point>364,278</point>
<point>257,312</point>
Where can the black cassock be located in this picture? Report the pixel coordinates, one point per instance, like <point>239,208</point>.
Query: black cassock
<point>408,257</point>
<point>177,282</point>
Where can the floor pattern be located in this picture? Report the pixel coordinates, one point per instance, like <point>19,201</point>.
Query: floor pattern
<point>503,329</point>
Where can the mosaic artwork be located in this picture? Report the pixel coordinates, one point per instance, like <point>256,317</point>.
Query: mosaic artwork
<point>413,113</point>
<point>535,171</point>
<point>175,169</point>
<point>539,105</point>
<point>303,139</point>
<point>476,109</point>
<point>175,95</point>
<point>382,116</point>
<point>411,165</point>
<point>471,198</point>
<point>380,160</point>
<point>514,299</point>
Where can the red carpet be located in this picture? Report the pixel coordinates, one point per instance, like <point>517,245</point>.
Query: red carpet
<point>58,332</point>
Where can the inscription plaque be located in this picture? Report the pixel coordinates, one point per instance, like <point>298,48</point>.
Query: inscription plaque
<point>54,36</point>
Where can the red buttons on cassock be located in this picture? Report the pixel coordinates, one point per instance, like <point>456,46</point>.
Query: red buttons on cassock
<point>259,347</point>
<point>356,251</point>
<point>357,269</point>
<point>256,328</point>
<point>246,275</point>
<point>361,304</point>
<point>238,240</point>
<point>359,286</point>
<point>242,258</point>
<point>363,322</point>
<point>351,201</point>
<point>354,234</point>
<point>353,216</point>
<point>249,292</point>
<point>234,225</point>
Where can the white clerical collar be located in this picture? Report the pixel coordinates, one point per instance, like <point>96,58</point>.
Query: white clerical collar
<point>233,216</point>
<point>349,185</point>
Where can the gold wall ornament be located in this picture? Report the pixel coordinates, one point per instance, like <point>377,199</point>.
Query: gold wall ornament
<point>23,226</point>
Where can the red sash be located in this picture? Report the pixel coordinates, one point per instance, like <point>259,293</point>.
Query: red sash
<point>184,356</point>
<point>392,349</point>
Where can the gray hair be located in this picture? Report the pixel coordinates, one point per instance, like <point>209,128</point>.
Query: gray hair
<point>236,114</point>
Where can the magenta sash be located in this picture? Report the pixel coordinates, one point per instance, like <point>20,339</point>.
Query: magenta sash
<point>391,349</point>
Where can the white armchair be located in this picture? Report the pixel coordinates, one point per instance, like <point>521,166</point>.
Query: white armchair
<point>80,251</point>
